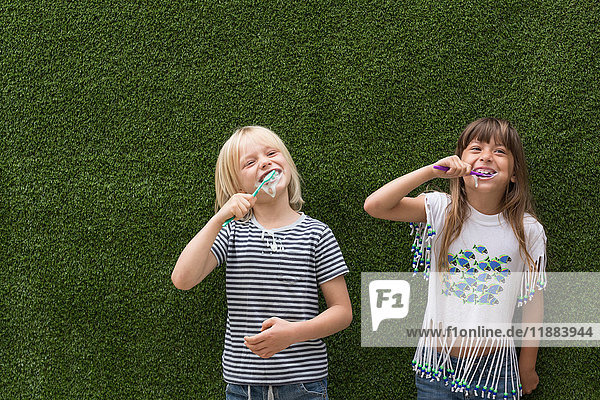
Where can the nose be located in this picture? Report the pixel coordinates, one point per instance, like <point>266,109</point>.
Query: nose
<point>264,162</point>
<point>486,155</point>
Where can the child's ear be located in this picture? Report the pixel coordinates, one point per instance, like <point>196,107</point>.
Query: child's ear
<point>513,178</point>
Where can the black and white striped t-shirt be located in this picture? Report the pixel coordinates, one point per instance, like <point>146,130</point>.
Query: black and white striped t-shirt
<point>275,273</point>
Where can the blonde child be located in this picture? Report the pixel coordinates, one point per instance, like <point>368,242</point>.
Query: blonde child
<point>277,257</point>
<point>483,250</point>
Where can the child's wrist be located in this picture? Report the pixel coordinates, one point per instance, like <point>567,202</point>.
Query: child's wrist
<point>526,366</point>
<point>219,218</point>
<point>428,173</point>
<point>297,331</point>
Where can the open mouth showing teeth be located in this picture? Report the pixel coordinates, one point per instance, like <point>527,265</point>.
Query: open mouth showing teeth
<point>277,172</point>
<point>485,172</point>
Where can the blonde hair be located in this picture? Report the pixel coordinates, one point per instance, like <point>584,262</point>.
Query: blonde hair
<point>517,199</point>
<point>227,181</point>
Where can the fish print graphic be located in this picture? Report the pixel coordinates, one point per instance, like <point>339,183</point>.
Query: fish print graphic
<point>495,264</point>
<point>480,249</point>
<point>463,261</point>
<point>504,259</point>
<point>471,299</point>
<point>494,289</point>
<point>475,277</point>
<point>462,286</point>
<point>468,254</point>
<point>481,288</point>
<point>470,280</point>
<point>487,299</point>
<point>483,265</point>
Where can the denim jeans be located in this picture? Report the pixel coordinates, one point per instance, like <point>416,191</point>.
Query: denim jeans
<point>428,389</point>
<point>296,391</point>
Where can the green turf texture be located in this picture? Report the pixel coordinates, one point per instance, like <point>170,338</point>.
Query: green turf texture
<point>112,116</point>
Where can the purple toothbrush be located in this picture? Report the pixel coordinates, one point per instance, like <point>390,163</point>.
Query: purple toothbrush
<point>471,173</point>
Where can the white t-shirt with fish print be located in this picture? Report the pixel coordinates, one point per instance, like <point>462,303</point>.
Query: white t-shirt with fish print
<point>487,278</point>
<point>483,283</point>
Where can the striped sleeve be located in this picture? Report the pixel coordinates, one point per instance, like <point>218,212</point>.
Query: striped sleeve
<point>329,261</point>
<point>219,247</point>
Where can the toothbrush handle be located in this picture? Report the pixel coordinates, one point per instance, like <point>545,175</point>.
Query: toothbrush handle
<point>441,168</point>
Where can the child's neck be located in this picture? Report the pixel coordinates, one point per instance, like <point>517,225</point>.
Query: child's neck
<point>276,213</point>
<point>485,203</point>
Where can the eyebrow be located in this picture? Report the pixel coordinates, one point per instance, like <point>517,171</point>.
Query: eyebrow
<point>248,156</point>
<point>477,142</point>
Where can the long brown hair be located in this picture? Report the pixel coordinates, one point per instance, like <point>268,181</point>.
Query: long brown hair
<point>517,200</point>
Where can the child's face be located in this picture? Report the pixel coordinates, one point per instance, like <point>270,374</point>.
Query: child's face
<point>256,161</point>
<point>489,157</point>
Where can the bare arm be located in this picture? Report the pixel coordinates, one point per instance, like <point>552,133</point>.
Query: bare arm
<point>337,317</point>
<point>278,334</point>
<point>196,261</point>
<point>533,312</point>
<point>390,201</point>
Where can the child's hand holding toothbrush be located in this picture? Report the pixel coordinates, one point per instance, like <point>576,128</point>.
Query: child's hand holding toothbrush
<point>456,167</point>
<point>237,206</point>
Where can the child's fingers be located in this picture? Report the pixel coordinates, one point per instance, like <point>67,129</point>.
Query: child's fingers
<point>451,163</point>
<point>254,340</point>
<point>238,212</point>
<point>463,168</point>
<point>456,167</point>
<point>252,349</point>
<point>244,205</point>
<point>258,349</point>
<point>268,323</point>
<point>240,196</point>
<point>249,345</point>
<point>248,197</point>
<point>459,170</point>
<point>453,170</point>
<point>244,198</point>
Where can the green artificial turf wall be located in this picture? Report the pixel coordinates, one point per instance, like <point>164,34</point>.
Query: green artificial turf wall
<point>112,116</point>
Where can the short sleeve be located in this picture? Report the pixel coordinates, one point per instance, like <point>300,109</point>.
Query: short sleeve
<point>536,244</point>
<point>329,262</point>
<point>436,204</point>
<point>219,247</point>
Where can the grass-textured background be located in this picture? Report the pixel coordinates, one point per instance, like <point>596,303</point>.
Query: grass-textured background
<point>112,115</point>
